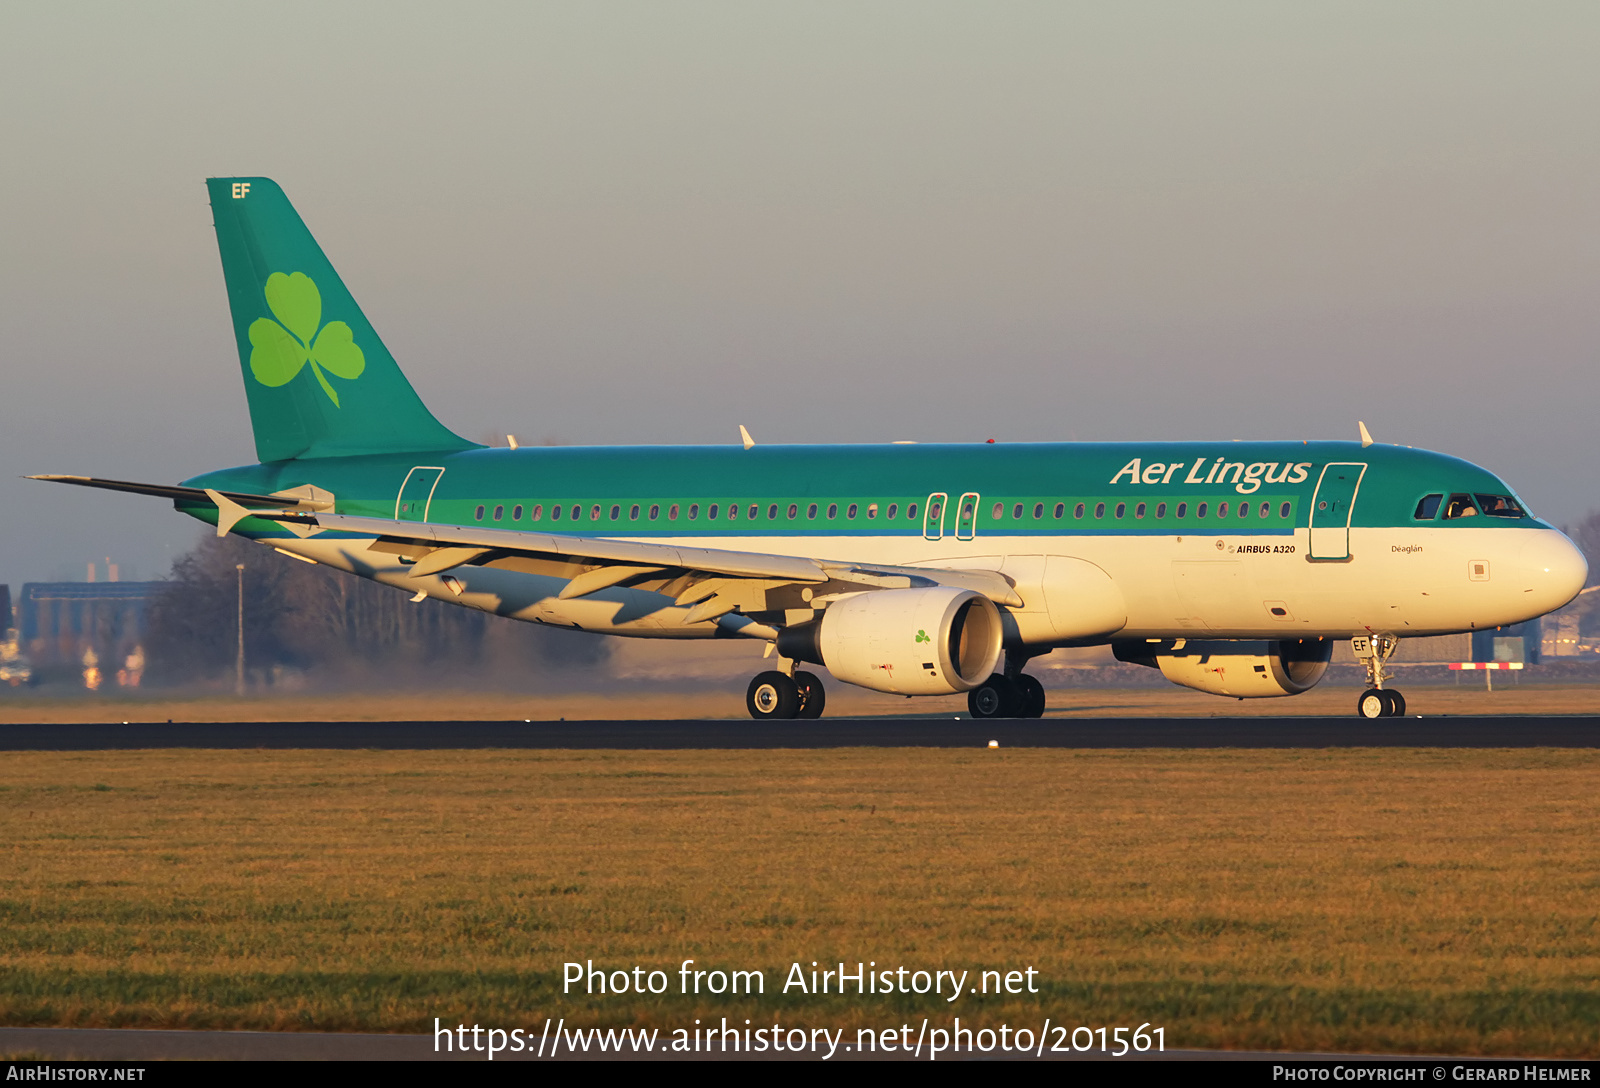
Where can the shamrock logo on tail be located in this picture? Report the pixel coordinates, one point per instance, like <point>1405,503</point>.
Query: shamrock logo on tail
<point>280,348</point>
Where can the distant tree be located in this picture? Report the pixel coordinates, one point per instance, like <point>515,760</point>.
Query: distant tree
<point>336,625</point>
<point>1587,537</point>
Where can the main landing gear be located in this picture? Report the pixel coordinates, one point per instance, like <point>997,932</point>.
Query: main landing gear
<point>1012,695</point>
<point>1377,701</point>
<point>773,695</point>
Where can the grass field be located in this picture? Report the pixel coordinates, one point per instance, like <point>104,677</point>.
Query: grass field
<point>718,702</point>
<point>1420,901</point>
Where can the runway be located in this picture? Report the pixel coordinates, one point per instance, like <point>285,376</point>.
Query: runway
<point>1419,732</point>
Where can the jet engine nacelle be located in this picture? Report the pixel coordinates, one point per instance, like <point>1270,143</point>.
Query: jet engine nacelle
<point>1241,670</point>
<point>934,641</point>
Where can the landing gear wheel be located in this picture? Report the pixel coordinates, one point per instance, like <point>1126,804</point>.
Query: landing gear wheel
<point>772,695</point>
<point>812,696</point>
<point>1397,703</point>
<point>996,697</point>
<point>1375,703</point>
<point>1030,697</point>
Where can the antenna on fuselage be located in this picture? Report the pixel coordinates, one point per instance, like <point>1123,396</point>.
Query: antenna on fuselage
<point>1366,437</point>
<point>745,435</point>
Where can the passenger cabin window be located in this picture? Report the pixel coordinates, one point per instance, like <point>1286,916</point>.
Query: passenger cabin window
<point>811,512</point>
<point>616,513</point>
<point>555,512</point>
<point>733,511</point>
<point>794,510</point>
<point>1283,510</point>
<point>1077,511</point>
<point>851,512</point>
<point>1038,511</point>
<point>894,508</point>
<point>633,512</point>
<point>655,511</point>
<point>694,510</point>
<point>772,512</point>
<point>1061,508</point>
<point>499,512</point>
<point>577,512</point>
<point>711,513</point>
<point>998,513</point>
<point>1200,511</point>
<point>1222,509</point>
<point>672,512</point>
<point>1183,510</point>
<point>1461,506</point>
<point>538,512</point>
<point>1244,509</point>
<point>1428,508</point>
<point>833,510</point>
<point>1161,509</point>
<point>1122,508</point>
<point>911,512</point>
<point>1016,511</point>
<point>872,511</point>
<point>1138,511</point>
<point>1099,509</point>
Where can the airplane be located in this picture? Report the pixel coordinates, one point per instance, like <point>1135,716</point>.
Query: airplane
<point>913,569</point>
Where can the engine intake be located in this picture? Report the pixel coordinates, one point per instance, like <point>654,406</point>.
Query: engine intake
<point>1239,669</point>
<point>934,641</point>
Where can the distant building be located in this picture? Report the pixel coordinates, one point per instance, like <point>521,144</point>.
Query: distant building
<point>58,621</point>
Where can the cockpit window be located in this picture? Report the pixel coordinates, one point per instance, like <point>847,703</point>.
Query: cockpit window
<point>1428,507</point>
<point>1461,506</point>
<point>1500,506</point>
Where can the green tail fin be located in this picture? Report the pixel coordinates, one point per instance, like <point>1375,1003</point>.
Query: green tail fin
<point>319,381</point>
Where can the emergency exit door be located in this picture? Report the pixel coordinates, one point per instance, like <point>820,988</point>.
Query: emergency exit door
<point>1331,507</point>
<point>416,493</point>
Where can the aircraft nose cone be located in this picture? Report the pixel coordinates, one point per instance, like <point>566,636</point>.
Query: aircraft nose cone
<point>1554,569</point>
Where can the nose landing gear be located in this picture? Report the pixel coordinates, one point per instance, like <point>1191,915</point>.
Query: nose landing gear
<point>1377,701</point>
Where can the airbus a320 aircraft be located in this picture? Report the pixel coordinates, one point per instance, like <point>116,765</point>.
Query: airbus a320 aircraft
<point>914,569</point>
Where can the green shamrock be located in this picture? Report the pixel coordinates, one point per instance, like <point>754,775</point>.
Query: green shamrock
<point>282,347</point>
<point>922,636</point>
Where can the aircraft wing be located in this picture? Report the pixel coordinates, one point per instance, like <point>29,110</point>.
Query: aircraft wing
<point>714,580</point>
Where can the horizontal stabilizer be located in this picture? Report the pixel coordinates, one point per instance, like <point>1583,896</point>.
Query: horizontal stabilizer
<point>196,495</point>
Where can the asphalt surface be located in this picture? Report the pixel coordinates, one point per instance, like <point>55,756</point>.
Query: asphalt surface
<point>1431,732</point>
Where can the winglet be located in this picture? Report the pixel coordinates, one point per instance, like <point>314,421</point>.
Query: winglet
<point>1366,437</point>
<point>744,434</point>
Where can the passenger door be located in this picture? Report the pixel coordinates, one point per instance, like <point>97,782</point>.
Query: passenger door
<point>416,494</point>
<point>933,516</point>
<point>1331,506</point>
<point>967,516</point>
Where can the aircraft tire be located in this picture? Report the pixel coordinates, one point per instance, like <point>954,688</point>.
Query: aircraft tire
<point>1030,697</point>
<point>1397,704</point>
<point>996,697</point>
<point>813,697</point>
<point>772,696</point>
<point>1374,703</point>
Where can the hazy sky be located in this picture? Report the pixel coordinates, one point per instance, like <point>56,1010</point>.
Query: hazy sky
<point>648,223</point>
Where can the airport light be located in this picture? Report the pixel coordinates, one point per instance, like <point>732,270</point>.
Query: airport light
<point>238,672</point>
